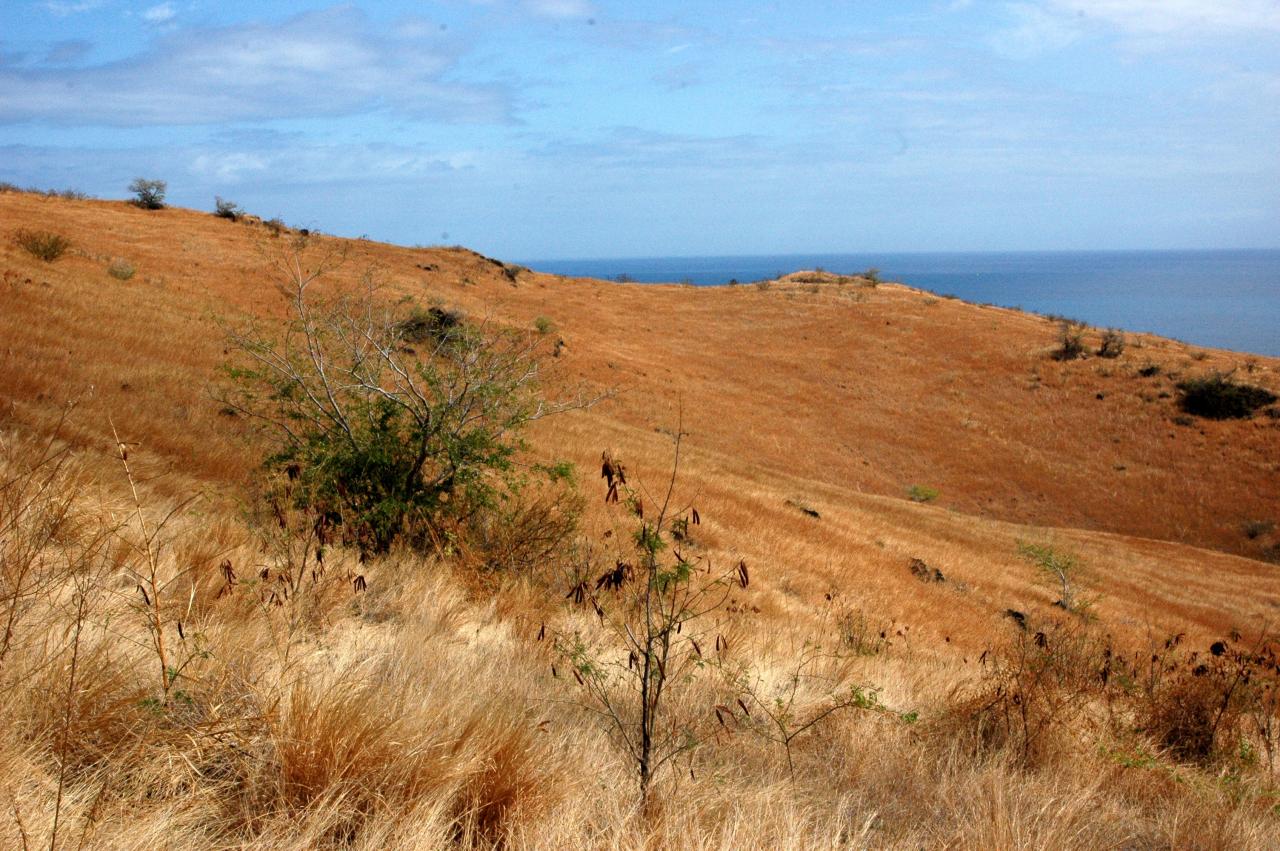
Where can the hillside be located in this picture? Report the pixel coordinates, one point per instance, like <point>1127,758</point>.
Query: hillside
<point>801,394</point>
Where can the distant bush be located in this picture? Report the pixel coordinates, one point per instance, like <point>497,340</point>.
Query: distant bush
<point>276,225</point>
<point>224,209</point>
<point>1112,344</point>
<point>1149,371</point>
<point>66,194</point>
<point>872,277</point>
<point>434,323</point>
<point>543,325</point>
<point>1070,340</point>
<point>624,278</point>
<point>1217,397</point>
<point>148,194</point>
<point>121,269</point>
<point>1254,529</point>
<point>922,493</point>
<point>42,244</point>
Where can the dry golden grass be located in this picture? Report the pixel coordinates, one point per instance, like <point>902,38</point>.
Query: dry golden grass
<point>422,713</point>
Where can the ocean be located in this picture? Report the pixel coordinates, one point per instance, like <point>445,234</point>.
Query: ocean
<point>1223,299</point>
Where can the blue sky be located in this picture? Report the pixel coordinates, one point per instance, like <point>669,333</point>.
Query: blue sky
<point>583,128</point>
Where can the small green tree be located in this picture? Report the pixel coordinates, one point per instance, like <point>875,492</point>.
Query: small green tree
<point>383,439</point>
<point>148,194</point>
<point>660,609</point>
<point>1062,569</point>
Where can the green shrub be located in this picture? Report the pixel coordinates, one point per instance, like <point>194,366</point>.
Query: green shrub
<point>433,324</point>
<point>543,325</point>
<point>121,269</point>
<point>922,493</point>
<point>148,194</point>
<point>224,209</point>
<point>42,244</point>
<point>1217,397</point>
<point>872,277</point>
<point>1062,569</point>
<point>1070,340</point>
<point>385,443</point>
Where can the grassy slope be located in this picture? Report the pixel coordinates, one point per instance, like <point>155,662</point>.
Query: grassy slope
<point>837,398</point>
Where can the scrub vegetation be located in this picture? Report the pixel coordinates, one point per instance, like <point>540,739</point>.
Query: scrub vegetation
<point>290,561</point>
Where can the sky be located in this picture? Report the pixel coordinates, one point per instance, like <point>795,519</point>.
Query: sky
<point>533,129</point>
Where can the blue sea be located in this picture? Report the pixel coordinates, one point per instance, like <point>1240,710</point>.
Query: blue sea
<point>1223,299</point>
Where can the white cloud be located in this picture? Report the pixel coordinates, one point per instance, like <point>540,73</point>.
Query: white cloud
<point>1167,17</point>
<point>1034,30</point>
<point>546,8</point>
<point>317,64</point>
<point>63,8</point>
<point>160,13</point>
<point>1049,25</point>
<point>559,8</point>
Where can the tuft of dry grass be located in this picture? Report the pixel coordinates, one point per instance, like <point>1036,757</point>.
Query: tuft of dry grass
<point>415,715</point>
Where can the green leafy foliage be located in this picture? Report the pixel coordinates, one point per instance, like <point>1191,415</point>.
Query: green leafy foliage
<point>386,441</point>
<point>922,493</point>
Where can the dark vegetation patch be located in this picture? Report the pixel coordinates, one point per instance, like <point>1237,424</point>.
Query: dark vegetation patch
<point>1070,340</point>
<point>432,324</point>
<point>922,571</point>
<point>225,209</point>
<point>804,508</point>
<point>1218,397</point>
<point>1254,529</point>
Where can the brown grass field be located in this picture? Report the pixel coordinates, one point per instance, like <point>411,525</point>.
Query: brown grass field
<point>422,712</point>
